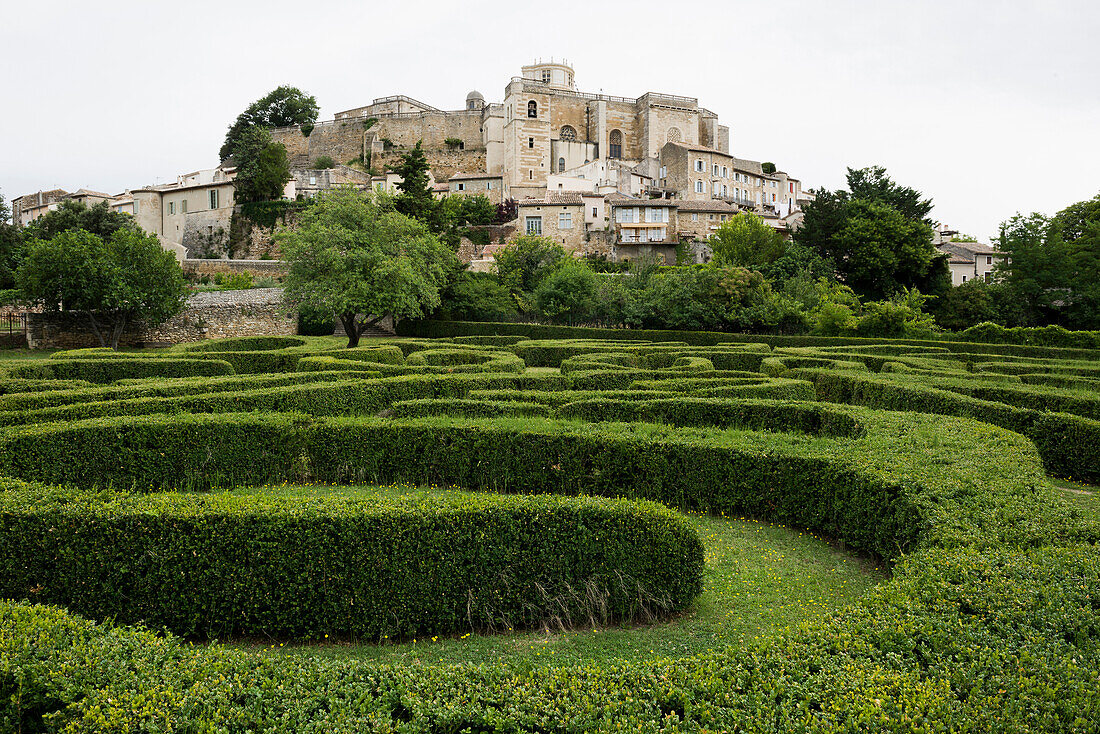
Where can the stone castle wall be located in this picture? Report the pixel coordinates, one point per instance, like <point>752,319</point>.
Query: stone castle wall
<point>255,268</point>
<point>213,315</point>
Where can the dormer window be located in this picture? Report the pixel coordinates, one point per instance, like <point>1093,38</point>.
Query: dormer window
<point>532,109</point>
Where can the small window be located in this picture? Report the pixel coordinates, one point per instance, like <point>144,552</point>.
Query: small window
<point>989,260</point>
<point>545,76</point>
<point>695,217</point>
<point>565,220</point>
<point>567,134</point>
<point>595,212</point>
<point>214,199</point>
<point>698,187</point>
<point>964,278</point>
<point>715,170</point>
<point>489,185</point>
<point>530,142</point>
<point>171,207</point>
<point>725,172</point>
<point>534,225</point>
<point>532,109</point>
<point>724,191</point>
<point>561,165</point>
<point>531,175</point>
<point>312,180</point>
<point>183,206</point>
<point>698,165</point>
<point>461,187</point>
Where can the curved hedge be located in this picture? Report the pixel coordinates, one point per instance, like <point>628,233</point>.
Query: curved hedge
<point>245,344</point>
<point>105,370</point>
<point>308,565</point>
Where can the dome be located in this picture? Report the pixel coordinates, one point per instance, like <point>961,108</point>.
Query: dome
<point>475,101</point>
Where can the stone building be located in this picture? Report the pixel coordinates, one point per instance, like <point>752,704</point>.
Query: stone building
<point>29,207</point>
<point>489,185</point>
<point>190,213</point>
<point>970,260</point>
<point>544,125</point>
<point>644,227</point>
<point>560,217</point>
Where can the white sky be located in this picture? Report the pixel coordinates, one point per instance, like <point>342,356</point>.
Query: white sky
<point>988,107</point>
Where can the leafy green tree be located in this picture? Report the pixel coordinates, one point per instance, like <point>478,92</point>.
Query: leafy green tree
<point>262,166</point>
<point>901,316</point>
<point>965,305</point>
<point>282,107</point>
<point>1072,221</point>
<point>362,261</point>
<point>415,195</point>
<point>478,210</point>
<point>525,261</point>
<point>767,167</point>
<point>11,249</point>
<point>477,297</point>
<point>97,219</point>
<point>1037,268</point>
<point>324,161</point>
<point>113,282</point>
<point>745,241</point>
<point>568,294</point>
<point>877,235</point>
<point>872,184</point>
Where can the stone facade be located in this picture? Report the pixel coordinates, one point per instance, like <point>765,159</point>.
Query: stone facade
<point>559,217</point>
<point>213,315</point>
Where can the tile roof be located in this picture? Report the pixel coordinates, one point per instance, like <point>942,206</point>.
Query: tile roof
<point>972,248</point>
<point>565,198</point>
<point>706,206</point>
<point>470,174</point>
<point>701,149</point>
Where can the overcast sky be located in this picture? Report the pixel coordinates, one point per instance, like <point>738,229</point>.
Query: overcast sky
<point>987,107</point>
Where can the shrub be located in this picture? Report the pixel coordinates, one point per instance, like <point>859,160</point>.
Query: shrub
<point>109,370</point>
<point>175,560</point>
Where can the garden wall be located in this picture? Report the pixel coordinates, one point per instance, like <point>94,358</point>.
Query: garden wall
<point>212,315</point>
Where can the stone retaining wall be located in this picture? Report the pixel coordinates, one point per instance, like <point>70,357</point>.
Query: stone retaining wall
<point>212,315</point>
<point>257,268</point>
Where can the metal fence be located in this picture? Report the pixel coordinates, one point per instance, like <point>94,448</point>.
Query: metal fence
<point>13,330</point>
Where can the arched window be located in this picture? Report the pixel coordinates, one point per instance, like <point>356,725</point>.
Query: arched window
<point>615,144</point>
<point>561,165</point>
<point>532,109</point>
<point>568,134</point>
<point>673,135</point>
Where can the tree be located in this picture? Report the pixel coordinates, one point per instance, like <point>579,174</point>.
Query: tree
<point>69,215</point>
<point>262,166</point>
<point>477,297</point>
<point>282,107</point>
<point>878,251</point>
<point>415,197</point>
<point>11,248</point>
<point>525,261</point>
<point>567,295</point>
<point>1037,266</point>
<point>362,261</point>
<point>965,305</point>
<point>877,235</point>
<point>113,282</point>
<point>767,167</point>
<point>324,161</point>
<point>872,184</point>
<point>1072,221</point>
<point>745,241</point>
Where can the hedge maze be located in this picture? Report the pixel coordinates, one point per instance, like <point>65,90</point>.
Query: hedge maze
<point>126,534</point>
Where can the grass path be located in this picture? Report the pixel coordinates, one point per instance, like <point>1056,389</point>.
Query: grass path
<point>760,579</point>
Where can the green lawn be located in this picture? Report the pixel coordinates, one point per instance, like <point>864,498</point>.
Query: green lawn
<point>760,579</point>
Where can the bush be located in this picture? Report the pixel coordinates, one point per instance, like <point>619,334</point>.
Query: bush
<point>245,344</point>
<point>110,370</point>
<point>175,560</point>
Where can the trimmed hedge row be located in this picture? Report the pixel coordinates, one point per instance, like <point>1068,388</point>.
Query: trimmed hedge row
<point>467,408</point>
<point>451,329</point>
<point>1068,444</point>
<point>245,344</point>
<point>109,370</point>
<point>306,565</point>
<point>816,419</point>
<point>52,394</point>
<point>355,394</point>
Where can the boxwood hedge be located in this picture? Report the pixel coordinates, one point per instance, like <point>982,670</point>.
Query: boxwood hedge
<point>308,565</point>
